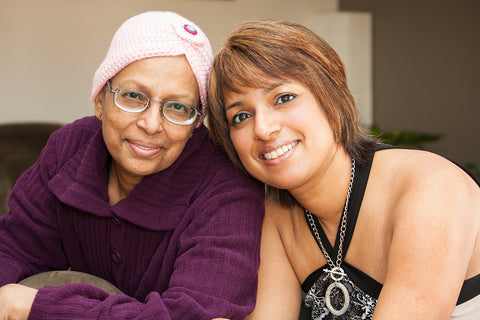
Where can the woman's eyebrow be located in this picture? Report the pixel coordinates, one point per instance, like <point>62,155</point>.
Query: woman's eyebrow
<point>132,83</point>
<point>264,91</point>
<point>233,105</point>
<point>272,87</point>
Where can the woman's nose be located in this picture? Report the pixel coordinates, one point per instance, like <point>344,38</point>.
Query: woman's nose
<point>267,124</point>
<point>151,120</point>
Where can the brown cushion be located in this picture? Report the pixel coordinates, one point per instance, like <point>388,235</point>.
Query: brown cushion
<point>59,278</point>
<point>21,146</point>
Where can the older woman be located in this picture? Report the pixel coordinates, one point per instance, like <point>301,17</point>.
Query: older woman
<point>137,195</point>
<point>366,230</point>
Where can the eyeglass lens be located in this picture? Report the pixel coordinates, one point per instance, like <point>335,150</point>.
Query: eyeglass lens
<point>134,101</point>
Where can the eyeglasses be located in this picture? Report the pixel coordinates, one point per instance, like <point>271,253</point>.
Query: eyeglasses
<point>135,102</point>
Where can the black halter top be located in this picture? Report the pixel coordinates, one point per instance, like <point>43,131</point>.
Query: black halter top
<point>470,288</point>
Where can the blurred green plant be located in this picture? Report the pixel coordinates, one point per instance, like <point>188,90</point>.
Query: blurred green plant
<point>405,138</point>
<point>417,140</point>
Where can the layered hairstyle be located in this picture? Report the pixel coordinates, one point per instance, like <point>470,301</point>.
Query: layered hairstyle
<point>258,53</point>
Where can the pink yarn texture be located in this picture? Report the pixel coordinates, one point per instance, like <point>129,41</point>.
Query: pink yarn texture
<point>154,34</point>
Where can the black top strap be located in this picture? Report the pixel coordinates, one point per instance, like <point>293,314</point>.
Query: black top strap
<point>358,190</point>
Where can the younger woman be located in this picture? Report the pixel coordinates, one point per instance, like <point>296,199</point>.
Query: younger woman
<point>368,231</point>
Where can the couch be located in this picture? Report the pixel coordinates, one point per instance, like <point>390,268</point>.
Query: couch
<point>21,145</point>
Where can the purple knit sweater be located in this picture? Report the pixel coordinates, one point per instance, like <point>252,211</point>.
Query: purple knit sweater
<point>183,245</point>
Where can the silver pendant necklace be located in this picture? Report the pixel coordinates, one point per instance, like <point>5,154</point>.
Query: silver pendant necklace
<point>336,272</point>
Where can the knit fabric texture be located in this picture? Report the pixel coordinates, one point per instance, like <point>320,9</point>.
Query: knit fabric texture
<point>157,34</point>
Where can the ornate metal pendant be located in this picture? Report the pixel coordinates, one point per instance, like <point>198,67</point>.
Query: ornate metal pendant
<point>337,274</point>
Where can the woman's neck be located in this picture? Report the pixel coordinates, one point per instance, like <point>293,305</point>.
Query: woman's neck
<point>120,185</point>
<point>324,195</point>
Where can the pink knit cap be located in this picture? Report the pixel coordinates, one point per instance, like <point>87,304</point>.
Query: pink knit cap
<point>154,34</point>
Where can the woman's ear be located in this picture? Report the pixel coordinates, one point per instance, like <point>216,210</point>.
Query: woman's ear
<point>99,100</point>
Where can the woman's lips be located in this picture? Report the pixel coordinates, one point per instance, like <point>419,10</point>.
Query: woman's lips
<point>144,150</point>
<point>279,151</point>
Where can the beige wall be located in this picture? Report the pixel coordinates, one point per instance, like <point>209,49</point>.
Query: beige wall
<point>426,70</point>
<point>51,48</point>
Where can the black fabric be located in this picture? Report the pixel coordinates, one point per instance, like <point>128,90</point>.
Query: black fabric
<point>360,278</point>
<point>340,300</point>
<point>470,288</point>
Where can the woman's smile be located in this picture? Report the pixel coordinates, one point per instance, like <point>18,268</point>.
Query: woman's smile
<point>272,155</point>
<point>143,149</point>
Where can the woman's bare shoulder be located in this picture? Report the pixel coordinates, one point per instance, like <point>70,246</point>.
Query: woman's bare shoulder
<point>423,185</point>
<point>406,170</point>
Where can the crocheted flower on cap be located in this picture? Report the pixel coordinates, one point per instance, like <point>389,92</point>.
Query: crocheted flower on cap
<point>154,34</point>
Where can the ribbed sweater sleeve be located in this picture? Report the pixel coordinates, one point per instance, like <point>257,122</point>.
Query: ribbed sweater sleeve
<point>80,301</point>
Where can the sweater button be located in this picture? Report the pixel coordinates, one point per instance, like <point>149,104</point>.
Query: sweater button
<point>115,256</point>
<point>115,221</point>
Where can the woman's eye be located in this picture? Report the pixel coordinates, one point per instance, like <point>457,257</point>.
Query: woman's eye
<point>284,98</point>
<point>132,95</point>
<point>177,106</point>
<point>240,117</point>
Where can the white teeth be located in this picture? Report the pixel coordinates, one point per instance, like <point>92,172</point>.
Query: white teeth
<point>278,152</point>
<point>144,148</point>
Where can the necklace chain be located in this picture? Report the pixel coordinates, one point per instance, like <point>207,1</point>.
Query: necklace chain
<point>336,272</point>
<point>343,225</point>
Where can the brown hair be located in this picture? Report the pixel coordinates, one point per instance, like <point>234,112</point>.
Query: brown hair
<point>259,52</point>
